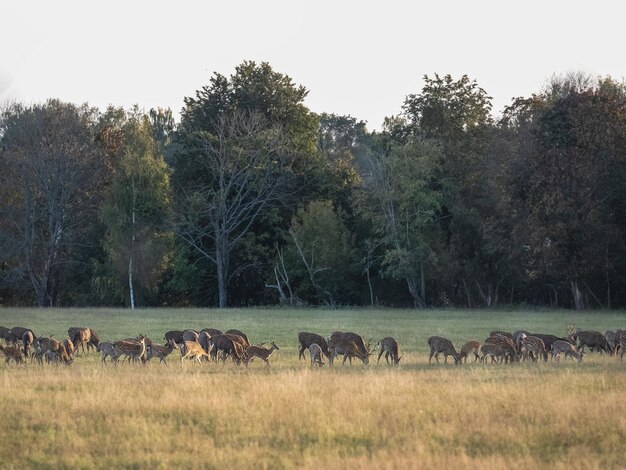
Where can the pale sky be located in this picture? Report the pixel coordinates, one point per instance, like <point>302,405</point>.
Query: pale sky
<point>355,57</point>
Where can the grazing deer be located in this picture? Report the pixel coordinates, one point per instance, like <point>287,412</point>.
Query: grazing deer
<point>438,345</point>
<point>161,352</point>
<point>501,333</point>
<point>107,350</point>
<point>133,349</point>
<point>518,336</point>
<point>42,345</point>
<point>4,333</point>
<point>227,346</point>
<point>246,342</point>
<point>12,353</point>
<point>534,348</point>
<point>611,339</point>
<point>492,350</point>
<point>305,340</point>
<point>176,335</point>
<point>69,346</point>
<point>348,349</point>
<point>94,340</point>
<point>316,353</point>
<point>80,337</point>
<point>560,346</point>
<point>203,339</point>
<point>358,340</point>
<point>211,331</point>
<point>190,335</point>
<point>389,347</point>
<point>507,345</point>
<point>27,340</point>
<point>261,353</point>
<point>548,340</point>
<point>471,347</point>
<point>16,334</point>
<point>192,350</point>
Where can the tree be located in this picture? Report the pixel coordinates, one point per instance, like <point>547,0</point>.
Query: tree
<point>136,207</point>
<point>246,168</point>
<point>53,170</point>
<point>404,202</point>
<point>580,133</point>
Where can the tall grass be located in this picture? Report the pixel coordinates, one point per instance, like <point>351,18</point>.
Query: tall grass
<point>416,416</point>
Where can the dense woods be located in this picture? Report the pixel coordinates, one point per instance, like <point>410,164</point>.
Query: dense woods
<point>253,199</point>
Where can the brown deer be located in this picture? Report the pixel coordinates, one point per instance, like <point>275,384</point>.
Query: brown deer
<point>12,353</point>
<point>107,350</point>
<point>190,335</point>
<point>133,349</point>
<point>507,345</point>
<point>592,339</point>
<point>471,347</point>
<point>69,346</point>
<point>160,352</point>
<point>348,349</point>
<point>27,340</point>
<point>493,351</point>
<point>389,347</point>
<point>316,353</point>
<point>501,333</point>
<point>358,340</point>
<point>227,346</point>
<point>261,353</point>
<point>192,350</point>
<point>438,345</point>
<point>211,331</point>
<point>80,337</point>
<point>43,345</point>
<point>534,348</point>
<point>4,333</point>
<point>16,334</point>
<point>305,340</point>
<point>246,342</point>
<point>176,335</point>
<point>560,346</point>
<point>621,346</point>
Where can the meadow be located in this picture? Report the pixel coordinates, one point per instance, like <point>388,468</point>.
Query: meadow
<point>564,415</point>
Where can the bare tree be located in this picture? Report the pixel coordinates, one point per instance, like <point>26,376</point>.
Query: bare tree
<point>50,163</point>
<point>247,171</point>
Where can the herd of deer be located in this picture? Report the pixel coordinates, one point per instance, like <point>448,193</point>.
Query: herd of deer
<point>214,345</point>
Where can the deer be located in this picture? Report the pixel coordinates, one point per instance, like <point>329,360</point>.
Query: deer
<point>211,331</point>
<point>501,333</point>
<point>69,346</point>
<point>592,339</point>
<point>133,349</point>
<point>239,333</point>
<point>27,340</point>
<point>203,339</point>
<point>4,333</point>
<point>560,346</point>
<point>471,347</point>
<point>16,334</point>
<point>492,350</point>
<point>80,337</point>
<point>622,346</point>
<point>107,350</point>
<point>316,353</point>
<point>305,340</point>
<point>161,352</point>
<point>176,335</point>
<point>43,345</point>
<point>227,346</point>
<point>12,353</point>
<point>517,338</point>
<point>356,339</point>
<point>507,345</point>
<point>261,353</point>
<point>190,335</point>
<point>348,349</point>
<point>192,350</point>
<point>534,348</point>
<point>438,345</point>
<point>390,347</point>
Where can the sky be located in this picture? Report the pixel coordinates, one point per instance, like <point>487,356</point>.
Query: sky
<point>358,58</point>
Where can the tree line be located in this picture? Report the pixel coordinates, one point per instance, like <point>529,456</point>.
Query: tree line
<point>253,199</point>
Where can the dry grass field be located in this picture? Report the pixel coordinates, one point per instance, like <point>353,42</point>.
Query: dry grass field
<point>288,416</point>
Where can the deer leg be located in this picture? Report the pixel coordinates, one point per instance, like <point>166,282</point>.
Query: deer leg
<point>380,354</point>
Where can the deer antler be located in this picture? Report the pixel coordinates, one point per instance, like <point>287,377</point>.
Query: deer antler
<point>570,330</point>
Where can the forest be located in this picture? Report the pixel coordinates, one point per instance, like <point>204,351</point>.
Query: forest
<point>252,199</point>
